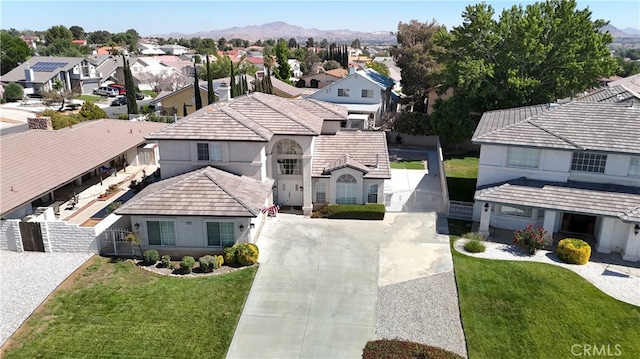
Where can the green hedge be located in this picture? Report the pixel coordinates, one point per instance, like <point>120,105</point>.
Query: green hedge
<point>353,211</point>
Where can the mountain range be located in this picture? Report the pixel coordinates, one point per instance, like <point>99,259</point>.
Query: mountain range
<point>279,29</point>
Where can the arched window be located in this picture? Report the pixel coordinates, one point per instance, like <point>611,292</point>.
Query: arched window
<point>288,157</point>
<point>346,189</point>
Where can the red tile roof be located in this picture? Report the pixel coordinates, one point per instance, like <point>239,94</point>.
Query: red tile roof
<point>36,162</point>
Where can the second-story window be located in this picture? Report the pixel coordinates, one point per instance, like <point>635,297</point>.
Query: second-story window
<point>634,167</point>
<point>343,92</point>
<point>367,93</point>
<point>210,152</point>
<point>588,162</point>
<point>523,157</point>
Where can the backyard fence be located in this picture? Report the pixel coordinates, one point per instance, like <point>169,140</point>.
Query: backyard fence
<point>113,243</point>
<point>460,210</point>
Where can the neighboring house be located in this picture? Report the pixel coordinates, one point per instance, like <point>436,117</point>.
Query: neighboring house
<point>394,70</point>
<point>363,92</point>
<point>39,73</point>
<point>434,94</point>
<point>151,74</point>
<point>111,50</point>
<point>296,72</point>
<point>172,49</point>
<point>323,78</point>
<point>631,83</point>
<point>179,101</point>
<point>224,165</point>
<point>572,169</point>
<point>280,88</point>
<point>149,49</point>
<point>37,163</point>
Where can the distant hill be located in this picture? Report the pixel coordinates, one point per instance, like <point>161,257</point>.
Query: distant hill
<point>279,29</point>
<point>615,32</point>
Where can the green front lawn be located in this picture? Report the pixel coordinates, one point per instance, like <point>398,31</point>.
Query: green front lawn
<point>115,310</point>
<point>461,172</point>
<point>408,164</point>
<point>515,309</point>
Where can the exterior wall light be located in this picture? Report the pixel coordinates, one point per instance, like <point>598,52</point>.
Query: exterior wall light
<point>486,207</point>
<point>636,229</point>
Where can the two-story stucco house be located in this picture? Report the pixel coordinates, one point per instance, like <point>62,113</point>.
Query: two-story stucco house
<point>571,168</point>
<point>368,96</point>
<point>224,164</point>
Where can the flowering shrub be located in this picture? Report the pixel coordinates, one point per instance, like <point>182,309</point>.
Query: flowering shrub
<point>531,239</point>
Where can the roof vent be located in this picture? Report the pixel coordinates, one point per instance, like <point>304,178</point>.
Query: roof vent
<point>553,105</point>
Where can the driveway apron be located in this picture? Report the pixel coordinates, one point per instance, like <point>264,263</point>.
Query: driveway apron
<point>315,292</point>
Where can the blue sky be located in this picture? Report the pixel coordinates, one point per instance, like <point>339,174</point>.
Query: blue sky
<point>162,17</point>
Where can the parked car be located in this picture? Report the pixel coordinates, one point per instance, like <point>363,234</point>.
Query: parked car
<point>120,101</point>
<point>140,96</point>
<point>121,89</point>
<point>106,91</point>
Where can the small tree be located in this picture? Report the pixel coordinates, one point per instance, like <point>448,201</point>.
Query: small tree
<point>90,111</point>
<point>132,237</point>
<point>13,92</point>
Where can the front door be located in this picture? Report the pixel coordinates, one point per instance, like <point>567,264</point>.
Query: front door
<point>290,192</point>
<point>578,223</point>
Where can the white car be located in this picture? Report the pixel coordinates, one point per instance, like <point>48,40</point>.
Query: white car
<point>106,91</point>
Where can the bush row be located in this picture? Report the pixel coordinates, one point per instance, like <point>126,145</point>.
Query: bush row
<point>352,211</point>
<point>241,253</point>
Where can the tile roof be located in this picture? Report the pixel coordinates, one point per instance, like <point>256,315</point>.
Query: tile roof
<point>36,162</point>
<point>608,127</point>
<point>325,110</point>
<point>581,197</point>
<point>631,215</point>
<point>343,162</point>
<point>363,147</point>
<point>631,83</point>
<point>610,94</point>
<point>207,192</point>
<point>253,117</point>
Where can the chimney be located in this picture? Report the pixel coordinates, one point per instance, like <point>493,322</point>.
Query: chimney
<point>40,123</point>
<point>224,91</point>
<point>352,70</point>
<point>28,74</point>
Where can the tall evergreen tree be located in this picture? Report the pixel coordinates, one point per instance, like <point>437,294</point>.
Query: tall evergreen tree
<point>232,82</point>
<point>196,89</point>
<point>211,97</point>
<point>129,85</point>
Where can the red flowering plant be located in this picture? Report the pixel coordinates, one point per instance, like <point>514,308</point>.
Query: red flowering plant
<point>531,239</point>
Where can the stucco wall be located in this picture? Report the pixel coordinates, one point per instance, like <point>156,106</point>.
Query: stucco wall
<point>355,83</point>
<point>10,238</point>
<point>64,237</point>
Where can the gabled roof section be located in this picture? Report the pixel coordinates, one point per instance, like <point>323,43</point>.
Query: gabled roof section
<point>364,148</point>
<point>253,117</point>
<point>587,126</point>
<point>581,197</point>
<point>208,192</point>
<point>376,77</point>
<point>343,162</point>
<point>614,94</point>
<point>33,163</point>
<point>631,83</point>
<point>325,110</point>
<point>631,215</point>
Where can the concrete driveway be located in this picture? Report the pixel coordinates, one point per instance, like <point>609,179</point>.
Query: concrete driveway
<point>315,293</point>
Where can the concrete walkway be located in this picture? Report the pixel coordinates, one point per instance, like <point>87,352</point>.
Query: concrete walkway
<point>314,295</point>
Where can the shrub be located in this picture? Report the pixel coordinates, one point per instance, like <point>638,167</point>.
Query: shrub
<point>353,211</point>
<point>531,239</point>
<point>186,264</point>
<point>247,253</point>
<point>165,261</point>
<point>220,260</point>
<point>13,92</point>
<point>208,263</point>
<point>574,251</point>
<point>393,348</point>
<point>89,111</point>
<point>230,254</point>
<point>474,235</point>
<point>150,256</point>
<point>474,246</point>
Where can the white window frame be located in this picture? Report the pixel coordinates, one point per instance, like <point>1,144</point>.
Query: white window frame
<point>226,235</point>
<point>215,152</point>
<point>346,189</point>
<point>591,162</point>
<point>373,191</point>
<point>170,229</point>
<point>634,166</point>
<point>321,192</point>
<point>343,92</point>
<point>522,157</point>
<point>367,93</point>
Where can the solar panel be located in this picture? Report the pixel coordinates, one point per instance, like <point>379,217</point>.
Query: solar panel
<point>47,66</point>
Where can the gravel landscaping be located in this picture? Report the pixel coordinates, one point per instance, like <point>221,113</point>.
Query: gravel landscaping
<point>423,310</point>
<point>26,279</point>
<point>622,283</point>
